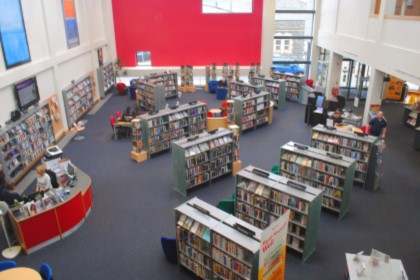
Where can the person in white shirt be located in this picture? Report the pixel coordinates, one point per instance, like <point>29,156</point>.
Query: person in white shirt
<point>43,180</point>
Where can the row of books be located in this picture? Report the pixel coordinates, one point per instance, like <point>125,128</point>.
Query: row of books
<point>252,199</point>
<point>195,228</point>
<point>255,222</point>
<point>230,263</point>
<point>205,146</point>
<point>252,211</point>
<point>292,202</point>
<point>342,141</point>
<point>254,187</point>
<point>198,269</point>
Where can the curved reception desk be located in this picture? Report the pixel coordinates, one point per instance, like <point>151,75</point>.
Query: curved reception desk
<point>56,222</point>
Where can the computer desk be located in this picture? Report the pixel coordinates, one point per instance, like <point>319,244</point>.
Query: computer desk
<point>120,124</point>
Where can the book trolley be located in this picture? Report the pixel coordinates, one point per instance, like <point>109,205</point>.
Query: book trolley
<point>276,88</point>
<point>293,83</point>
<point>106,78</point>
<point>202,158</point>
<point>331,173</point>
<point>160,129</point>
<point>261,197</point>
<point>150,97</point>
<point>242,89</point>
<point>23,143</point>
<point>169,80</point>
<point>78,99</point>
<point>363,148</point>
<point>252,110</point>
<point>215,245</point>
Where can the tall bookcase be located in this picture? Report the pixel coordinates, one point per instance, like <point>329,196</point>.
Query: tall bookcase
<point>261,197</point>
<point>293,83</point>
<point>363,148</point>
<point>215,245</point>
<point>23,142</point>
<point>202,158</point>
<point>242,89</point>
<point>320,169</point>
<point>252,110</point>
<point>168,125</point>
<point>78,99</point>
<point>276,88</point>
<point>169,80</point>
<point>106,78</point>
<point>150,97</point>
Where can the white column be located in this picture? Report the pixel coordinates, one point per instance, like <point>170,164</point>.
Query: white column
<point>374,95</point>
<point>334,71</point>
<point>267,36</point>
<point>313,72</point>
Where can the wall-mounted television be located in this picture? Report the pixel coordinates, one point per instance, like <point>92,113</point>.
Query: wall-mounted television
<point>26,93</point>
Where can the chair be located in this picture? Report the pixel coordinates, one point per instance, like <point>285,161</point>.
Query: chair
<point>212,86</point>
<point>7,265</point>
<point>275,169</point>
<point>227,205</point>
<point>46,272</point>
<point>341,102</point>
<point>221,93</point>
<point>169,249</point>
<point>118,115</point>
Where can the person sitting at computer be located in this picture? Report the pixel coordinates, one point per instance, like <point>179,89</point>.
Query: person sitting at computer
<point>10,195</point>
<point>222,83</point>
<point>43,180</point>
<point>337,117</point>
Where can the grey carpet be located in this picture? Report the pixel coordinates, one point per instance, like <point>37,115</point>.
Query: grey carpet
<point>133,204</point>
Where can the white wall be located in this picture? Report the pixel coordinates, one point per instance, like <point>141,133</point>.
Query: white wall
<point>389,45</point>
<point>52,63</point>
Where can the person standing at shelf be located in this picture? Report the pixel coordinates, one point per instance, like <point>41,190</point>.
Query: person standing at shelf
<point>377,126</point>
<point>43,180</point>
<point>10,195</point>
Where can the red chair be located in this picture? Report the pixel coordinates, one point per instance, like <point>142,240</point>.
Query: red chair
<point>112,121</point>
<point>365,129</point>
<point>118,114</point>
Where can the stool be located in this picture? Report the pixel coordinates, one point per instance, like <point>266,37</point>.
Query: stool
<point>78,137</point>
<point>221,93</point>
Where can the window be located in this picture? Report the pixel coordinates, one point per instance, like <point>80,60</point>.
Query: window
<point>286,46</point>
<point>227,6</point>
<point>144,59</point>
<point>277,47</point>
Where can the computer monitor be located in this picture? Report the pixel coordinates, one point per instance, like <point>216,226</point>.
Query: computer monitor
<point>33,196</point>
<point>71,170</point>
<point>320,101</point>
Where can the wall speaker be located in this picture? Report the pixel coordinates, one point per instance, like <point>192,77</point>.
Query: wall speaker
<point>15,115</point>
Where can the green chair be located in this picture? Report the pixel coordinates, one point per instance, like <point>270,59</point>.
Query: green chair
<point>275,169</point>
<point>227,205</point>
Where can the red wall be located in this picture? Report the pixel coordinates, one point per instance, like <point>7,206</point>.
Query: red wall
<point>177,33</point>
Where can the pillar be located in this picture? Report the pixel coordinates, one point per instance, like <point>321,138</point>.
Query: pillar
<point>267,36</point>
<point>334,71</point>
<point>375,90</point>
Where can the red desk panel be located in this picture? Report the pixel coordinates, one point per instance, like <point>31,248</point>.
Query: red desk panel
<point>87,199</point>
<point>70,213</point>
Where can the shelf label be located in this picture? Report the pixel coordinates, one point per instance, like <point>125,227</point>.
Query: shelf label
<point>300,146</point>
<point>295,185</point>
<point>260,173</point>
<point>244,230</point>
<point>334,156</point>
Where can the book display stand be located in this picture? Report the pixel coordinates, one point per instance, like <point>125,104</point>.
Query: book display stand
<point>331,173</point>
<point>150,97</point>
<point>23,143</point>
<point>78,99</point>
<point>202,158</point>
<point>252,110</point>
<point>106,79</point>
<point>225,71</point>
<point>261,197</point>
<point>169,80</point>
<point>363,148</point>
<point>237,164</point>
<point>187,81</point>
<point>276,88</point>
<point>138,154</point>
<point>215,245</point>
<point>251,72</point>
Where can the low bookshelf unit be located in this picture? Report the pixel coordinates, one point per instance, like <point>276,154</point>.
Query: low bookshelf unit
<point>331,173</point>
<point>150,97</point>
<point>242,89</point>
<point>276,88</point>
<point>293,83</point>
<point>169,80</point>
<point>106,79</point>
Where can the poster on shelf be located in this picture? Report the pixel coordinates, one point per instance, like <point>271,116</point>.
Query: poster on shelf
<point>13,34</point>
<point>70,23</point>
<point>273,250</point>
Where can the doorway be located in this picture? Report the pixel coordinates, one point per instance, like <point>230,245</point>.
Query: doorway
<point>354,79</point>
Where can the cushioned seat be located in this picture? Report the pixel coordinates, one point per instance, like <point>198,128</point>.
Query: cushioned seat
<point>169,249</point>
<point>275,169</point>
<point>7,265</point>
<point>212,86</point>
<point>221,93</point>
<point>227,205</point>
<point>46,271</point>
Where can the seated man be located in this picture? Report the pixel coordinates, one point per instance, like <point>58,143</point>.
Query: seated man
<point>222,83</point>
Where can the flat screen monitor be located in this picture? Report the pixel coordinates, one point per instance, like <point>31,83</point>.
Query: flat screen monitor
<point>320,101</point>
<point>26,93</point>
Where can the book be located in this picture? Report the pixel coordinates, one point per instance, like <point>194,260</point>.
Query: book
<point>206,235</point>
<point>195,227</point>
<point>188,223</point>
<point>181,220</point>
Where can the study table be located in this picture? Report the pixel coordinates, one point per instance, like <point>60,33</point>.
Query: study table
<point>57,222</point>
<point>21,273</point>
<point>121,124</point>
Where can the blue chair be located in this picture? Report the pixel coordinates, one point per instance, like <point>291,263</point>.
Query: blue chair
<point>169,249</point>
<point>7,264</point>
<point>221,93</point>
<point>212,86</point>
<point>46,272</point>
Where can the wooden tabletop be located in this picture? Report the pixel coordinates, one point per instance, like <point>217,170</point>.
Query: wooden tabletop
<point>21,273</point>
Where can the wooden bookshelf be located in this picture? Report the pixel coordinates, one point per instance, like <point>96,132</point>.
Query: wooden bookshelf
<point>322,170</point>
<point>261,197</point>
<point>169,80</point>
<point>252,110</point>
<point>22,143</point>
<point>160,129</point>
<point>276,88</point>
<point>362,148</point>
<point>293,83</point>
<point>106,78</point>
<point>236,89</point>
<point>78,99</point>
<point>211,244</point>
<point>202,158</point>
<point>150,97</point>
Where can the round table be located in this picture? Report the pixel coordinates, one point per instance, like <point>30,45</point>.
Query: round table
<point>21,273</point>
<point>216,113</point>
